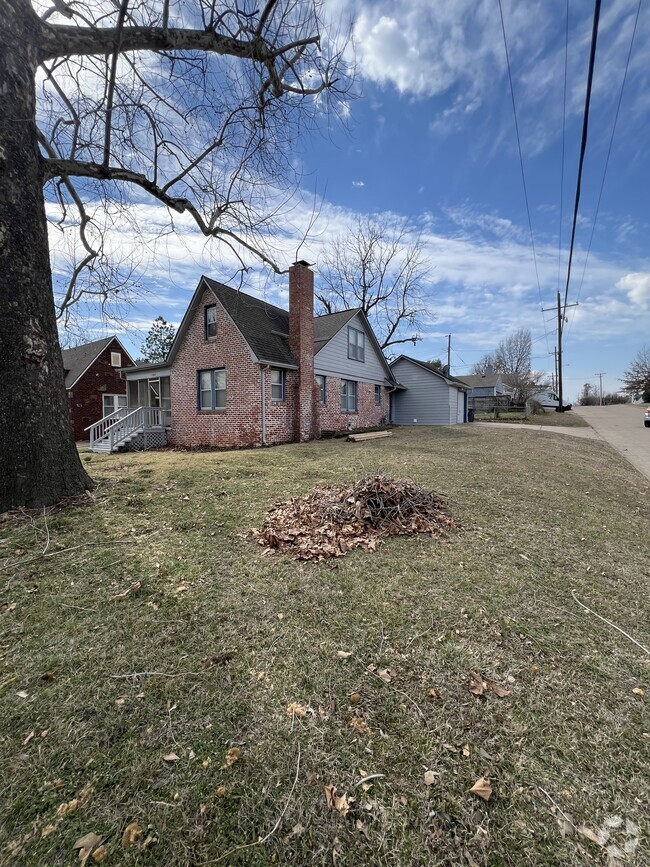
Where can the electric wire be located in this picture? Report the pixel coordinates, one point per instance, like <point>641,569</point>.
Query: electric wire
<point>521,159</point>
<point>609,152</point>
<point>583,147</point>
<point>566,62</point>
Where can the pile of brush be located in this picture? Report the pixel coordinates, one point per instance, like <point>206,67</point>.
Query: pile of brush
<point>331,520</point>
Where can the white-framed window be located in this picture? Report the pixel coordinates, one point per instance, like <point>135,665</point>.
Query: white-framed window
<point>112,402</point>
<point>210,321</point>
<point>378,395</point>
<point>116,359</point>
<point>278,384</point>
<point>321,382</point>
<point>348,395</point>
<point>212,389</point>
<point>356,344</point>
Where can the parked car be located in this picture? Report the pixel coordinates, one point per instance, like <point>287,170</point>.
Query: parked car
<point>646,417</point>
<point>549,400</point>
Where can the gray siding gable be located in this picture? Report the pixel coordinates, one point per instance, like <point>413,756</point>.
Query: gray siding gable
<point>427,398</point>
<point>332,359</point>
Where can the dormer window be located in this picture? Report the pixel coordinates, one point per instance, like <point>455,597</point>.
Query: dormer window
<point>356,344</point>
<point>211,322</point>
<point>116,359</point>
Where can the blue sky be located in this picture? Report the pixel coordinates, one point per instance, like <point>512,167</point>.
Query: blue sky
<point>431,139</point>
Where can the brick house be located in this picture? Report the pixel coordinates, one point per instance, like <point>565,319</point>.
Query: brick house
<point>93,381</point>
<point>242,372</point>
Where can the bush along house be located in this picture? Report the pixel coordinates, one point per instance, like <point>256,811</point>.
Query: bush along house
<point>242,372</point>
<point>93,381</point>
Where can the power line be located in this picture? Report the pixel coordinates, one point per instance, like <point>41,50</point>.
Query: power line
<point>609,151</point>
<point>521,159</point>
<point>583,144</point>
<point>566,61</point>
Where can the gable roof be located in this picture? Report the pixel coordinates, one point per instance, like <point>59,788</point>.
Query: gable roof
<point>265,327</point>
<point>77,359</point>
<point>328,326</point>
<point>432,368</point>
<point>480,381</point>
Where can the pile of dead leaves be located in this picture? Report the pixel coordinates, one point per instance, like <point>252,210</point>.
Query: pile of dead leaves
<point>332,520</point>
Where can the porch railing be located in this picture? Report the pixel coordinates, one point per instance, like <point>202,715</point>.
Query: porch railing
<point>113,429</point>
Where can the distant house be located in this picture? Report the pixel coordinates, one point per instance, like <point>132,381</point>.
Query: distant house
<point>487,385</point>
<point>426,394</point>
<point>93,381</point>
<point>242,372</point>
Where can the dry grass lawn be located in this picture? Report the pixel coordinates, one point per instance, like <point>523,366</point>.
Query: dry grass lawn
<point>120,707</point>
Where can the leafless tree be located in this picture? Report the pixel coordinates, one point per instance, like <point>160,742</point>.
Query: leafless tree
<point>379,266</point>
<point>512,359</point>
<point>194,104</point>
<point>636,379</point>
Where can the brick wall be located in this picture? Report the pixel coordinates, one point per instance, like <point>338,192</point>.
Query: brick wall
<point>330,416</point>
<point>240,423</point>
<point>85,397</point>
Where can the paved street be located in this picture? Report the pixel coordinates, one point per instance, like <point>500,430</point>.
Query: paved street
<point>622,427</point>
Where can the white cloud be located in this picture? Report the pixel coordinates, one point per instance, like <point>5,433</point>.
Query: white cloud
<point>358,184</point>
<point>637,287</point>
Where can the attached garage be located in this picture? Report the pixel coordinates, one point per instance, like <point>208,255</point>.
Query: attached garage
<point>426,395</point>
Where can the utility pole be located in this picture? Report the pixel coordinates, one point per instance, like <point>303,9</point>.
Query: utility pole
<point>449,353</point>
<point>600,376</point>
<point>561,316</point>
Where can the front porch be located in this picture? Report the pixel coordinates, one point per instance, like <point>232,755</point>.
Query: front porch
<point>144,422</point>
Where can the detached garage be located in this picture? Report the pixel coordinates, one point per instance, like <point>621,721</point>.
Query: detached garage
<point>426,394</point>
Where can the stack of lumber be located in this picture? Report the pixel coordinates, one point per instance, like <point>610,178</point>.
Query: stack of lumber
<point>374,435</point>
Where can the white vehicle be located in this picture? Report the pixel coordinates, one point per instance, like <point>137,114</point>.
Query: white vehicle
<point>549,400</point>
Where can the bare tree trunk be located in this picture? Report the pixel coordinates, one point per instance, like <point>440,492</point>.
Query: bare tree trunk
<point>39,464</point>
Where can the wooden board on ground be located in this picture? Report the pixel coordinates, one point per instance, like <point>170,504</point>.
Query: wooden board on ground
<point>378,434</point>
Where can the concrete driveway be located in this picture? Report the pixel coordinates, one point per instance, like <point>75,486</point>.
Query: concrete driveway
<point>622,427</point>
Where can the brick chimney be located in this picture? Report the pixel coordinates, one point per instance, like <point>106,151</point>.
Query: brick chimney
<point>301,342</point>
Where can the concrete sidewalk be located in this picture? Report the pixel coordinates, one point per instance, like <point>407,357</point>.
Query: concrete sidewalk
<point>584,432</point>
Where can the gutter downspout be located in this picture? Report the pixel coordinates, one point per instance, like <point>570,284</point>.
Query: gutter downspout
<point>390,404</point>
<point>263,398</point>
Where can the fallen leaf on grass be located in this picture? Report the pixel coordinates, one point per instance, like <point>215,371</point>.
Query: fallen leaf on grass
<point>359,724</point>
<point>482,788</point>
<point>131,835</point>
<point>86,845</point>
<point>354,698</point>
<point>232,756</point>
<point>433,694</point>
<point>497,689</point>
<point>22,694</point>
<point>638,691</point>
<point>295,709</point>
<point>29,737</point>
<point>99,854</point>
<point>296,831</point>
<point>220,791</point>
<point>170,757</point>
<point>466,750</point>
<point>132,589</point>
<point>47,830</point>
<point>429,778</point>
<point>477,685</point>
<point>67,809</point>
<point>341,803</point>
<point>594,836</point>
<point>343,654</point>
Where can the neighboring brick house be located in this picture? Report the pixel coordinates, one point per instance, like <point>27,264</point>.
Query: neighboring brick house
<point>242,372</point>
<point>93,381</point>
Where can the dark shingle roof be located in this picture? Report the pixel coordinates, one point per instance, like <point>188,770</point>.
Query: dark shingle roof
<point>78,358</point>
<point>479,381</point>
<point>264,326</point>
<point>329,325</point>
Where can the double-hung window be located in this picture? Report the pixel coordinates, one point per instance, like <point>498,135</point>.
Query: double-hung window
<point>348,395</point>
<point>212,389</point>
<point>116,359</point>
<point>210,321</point>
<point>322,388</point>
<point>356,344</point>
<point>278,384</point>
<point>378,395</point>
